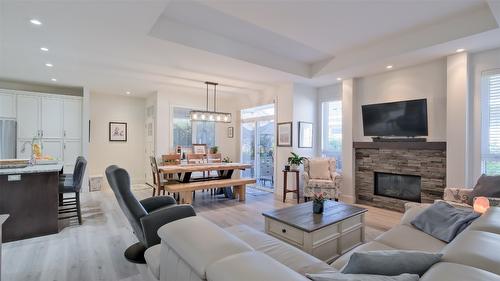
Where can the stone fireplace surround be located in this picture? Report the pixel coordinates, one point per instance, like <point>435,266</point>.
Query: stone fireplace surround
<point>424,159</point>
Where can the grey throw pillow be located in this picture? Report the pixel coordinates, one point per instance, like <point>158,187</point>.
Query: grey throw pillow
<point>487,186</point>
<point>390,262</point>
<point>337,276</point>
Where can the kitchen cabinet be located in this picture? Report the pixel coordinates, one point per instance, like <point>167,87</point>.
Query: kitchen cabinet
<point>51,118</point>
<point>7,105</point>
<point>55,119</point>
<point>28,117</point>
<point>72,119</point>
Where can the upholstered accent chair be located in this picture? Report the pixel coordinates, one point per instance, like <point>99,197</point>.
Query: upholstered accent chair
<point>320,176</point>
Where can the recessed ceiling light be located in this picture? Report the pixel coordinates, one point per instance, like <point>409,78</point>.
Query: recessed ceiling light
<point>49,65</point>
<point>339,78</point>
<point>35,22</point>
<point>460,50</point>
<point>44,49</point>
<point>53,80</point>
<point>127,92</point>
<point>389,67</point>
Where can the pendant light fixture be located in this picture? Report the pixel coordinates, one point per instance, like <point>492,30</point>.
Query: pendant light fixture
<point>211,116</point>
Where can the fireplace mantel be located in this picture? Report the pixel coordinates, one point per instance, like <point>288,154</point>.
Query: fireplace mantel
<point>421,145</point>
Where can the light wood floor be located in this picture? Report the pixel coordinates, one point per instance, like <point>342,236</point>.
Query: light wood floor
<point>94,250</point>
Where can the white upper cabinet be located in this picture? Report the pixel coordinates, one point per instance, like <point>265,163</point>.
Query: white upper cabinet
<point>28,117</point>
<point>7,105</point>
<point>51,118</point>
<point>72,119</point>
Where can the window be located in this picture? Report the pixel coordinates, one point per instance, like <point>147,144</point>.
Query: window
<point>490,123</point>
<point>331,133</point>
<point>185,132</point>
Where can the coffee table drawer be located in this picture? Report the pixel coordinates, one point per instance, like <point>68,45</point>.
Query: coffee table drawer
<point>287,232</point>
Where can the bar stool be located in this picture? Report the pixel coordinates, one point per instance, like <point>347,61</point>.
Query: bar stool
<point>70,184</point>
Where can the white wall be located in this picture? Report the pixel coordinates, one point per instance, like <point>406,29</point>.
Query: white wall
<point>479,62</point>
<point>305,100</point>
<point>128,155</point>
<point>457,111</point>
<point>421,81</point>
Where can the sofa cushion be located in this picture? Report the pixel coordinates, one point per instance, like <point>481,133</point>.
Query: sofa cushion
<point>200,243</point>
<point>412,211</point>
<point>489,221</point>
<point>370,246</point>
<point>405,237</point>
<point>319,169</point>
<point>475,248</point>
<point>337,276</point>
<point>487,186</point>
<point>391,263</point>
<point>445,271</point>
<point>251,266</point>
<point>290,256</point>
<point>152,256</point>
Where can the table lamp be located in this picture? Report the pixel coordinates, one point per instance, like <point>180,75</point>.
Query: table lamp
<point>481,204</point>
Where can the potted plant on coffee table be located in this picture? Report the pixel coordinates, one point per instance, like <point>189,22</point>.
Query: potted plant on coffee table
<point>295,161</point>
<point>319,202</point>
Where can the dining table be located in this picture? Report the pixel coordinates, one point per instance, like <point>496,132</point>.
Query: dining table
<point>184,172</point>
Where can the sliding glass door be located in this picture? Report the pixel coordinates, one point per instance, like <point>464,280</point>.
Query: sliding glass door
<point>257,144</point>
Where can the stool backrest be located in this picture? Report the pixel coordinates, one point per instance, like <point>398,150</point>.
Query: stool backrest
<point>171,159</point>
<point>214,158</point>
<point>195,158</point>
<point>79,172</point>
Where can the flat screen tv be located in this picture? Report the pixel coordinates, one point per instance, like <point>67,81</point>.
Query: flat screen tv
<point>399,119</point>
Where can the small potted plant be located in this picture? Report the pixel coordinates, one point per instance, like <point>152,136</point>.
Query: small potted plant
<point>319,202</point>
<point>214,149</point>
<point>226,160</point>
<point>295,161</point>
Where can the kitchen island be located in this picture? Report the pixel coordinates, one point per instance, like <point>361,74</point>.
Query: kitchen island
<point>30,196</point>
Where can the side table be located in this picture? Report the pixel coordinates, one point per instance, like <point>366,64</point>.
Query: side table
<point>285,184</point>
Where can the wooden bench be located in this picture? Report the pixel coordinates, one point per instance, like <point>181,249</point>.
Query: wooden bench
<point>185,189</point>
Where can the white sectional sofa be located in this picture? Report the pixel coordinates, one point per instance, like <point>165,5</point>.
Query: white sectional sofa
<point>196,249</point>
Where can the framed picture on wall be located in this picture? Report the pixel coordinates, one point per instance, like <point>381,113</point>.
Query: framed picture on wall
<point>305,135</point>
<point>284,134</point>
<point>230,132</point>
<point>117,131</point>
<point>199,149</point>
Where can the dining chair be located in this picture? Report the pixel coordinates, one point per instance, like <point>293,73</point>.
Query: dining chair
<point>158,181</point>
<point>196,159</point>
<point>171,159</point>
<point>213,158</point>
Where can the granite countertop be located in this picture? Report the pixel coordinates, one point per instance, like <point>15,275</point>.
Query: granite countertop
<point>34,169</point>
<point>3,218</point>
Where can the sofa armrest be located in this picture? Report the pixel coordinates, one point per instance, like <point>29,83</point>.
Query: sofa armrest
<point>152,203</point>
<point>156,219</point>
<point>457,195</point>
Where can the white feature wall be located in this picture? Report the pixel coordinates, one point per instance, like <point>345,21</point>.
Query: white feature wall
<point>102,152</point>
<point>421,81</point>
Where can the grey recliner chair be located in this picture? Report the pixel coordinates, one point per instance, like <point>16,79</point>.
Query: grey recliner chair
<point>145,216</point>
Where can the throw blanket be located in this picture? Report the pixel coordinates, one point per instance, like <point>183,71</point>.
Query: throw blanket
<point>443,221</point>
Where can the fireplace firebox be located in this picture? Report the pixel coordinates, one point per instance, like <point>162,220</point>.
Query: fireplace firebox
<point>404,187</point>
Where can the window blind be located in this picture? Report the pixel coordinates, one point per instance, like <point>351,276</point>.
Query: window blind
<point>491,124</point>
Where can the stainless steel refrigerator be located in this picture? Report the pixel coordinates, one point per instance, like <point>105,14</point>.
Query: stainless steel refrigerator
<point>8,135</point>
